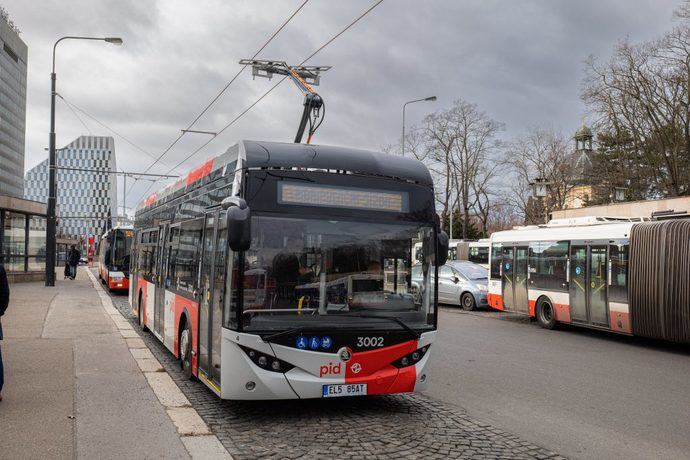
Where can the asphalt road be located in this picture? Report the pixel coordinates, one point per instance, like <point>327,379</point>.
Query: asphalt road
<point>584,394</point>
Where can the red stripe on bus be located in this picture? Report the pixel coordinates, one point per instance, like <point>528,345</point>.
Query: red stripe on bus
<point>620,322</point>
<point>562,312</point>
<point>495,301</point>
<point>200,172</point>
<point>374,368</point>
<point>180,305</point>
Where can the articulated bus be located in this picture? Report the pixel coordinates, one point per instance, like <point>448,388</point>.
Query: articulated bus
<point>629,277</point>
<point>113,257</point>
<point>265,271</point>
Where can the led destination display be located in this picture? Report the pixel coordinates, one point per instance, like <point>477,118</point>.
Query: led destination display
<point>342,197</point>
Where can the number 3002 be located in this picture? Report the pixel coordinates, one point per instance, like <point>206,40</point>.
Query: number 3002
<point>369,342</point>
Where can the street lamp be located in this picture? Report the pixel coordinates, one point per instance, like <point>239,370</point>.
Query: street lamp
<point>429,99</point>
<point>52,192</point>
<point>540,189</point>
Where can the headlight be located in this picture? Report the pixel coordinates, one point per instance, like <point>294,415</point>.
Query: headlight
<point>267,362</point>
<point>411,358</point>
<point>482,287</point>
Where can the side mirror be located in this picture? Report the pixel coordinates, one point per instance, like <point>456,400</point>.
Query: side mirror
<point>238,222</point>
<point>441,248</point>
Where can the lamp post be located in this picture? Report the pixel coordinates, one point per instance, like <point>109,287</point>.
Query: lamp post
<point>430,98</point>
<point>540,189</point>
<point>51,224</point>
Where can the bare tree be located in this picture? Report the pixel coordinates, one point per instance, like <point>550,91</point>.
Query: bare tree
<point>541,153</point>
<point>642,95</point>
<point>459,147</point>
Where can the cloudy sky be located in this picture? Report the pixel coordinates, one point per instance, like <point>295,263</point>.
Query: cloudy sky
<point>519,60</point>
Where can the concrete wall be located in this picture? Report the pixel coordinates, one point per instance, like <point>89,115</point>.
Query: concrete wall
<point>627,209</point>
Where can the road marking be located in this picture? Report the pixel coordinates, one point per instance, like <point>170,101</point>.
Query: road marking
<point>191,428</point>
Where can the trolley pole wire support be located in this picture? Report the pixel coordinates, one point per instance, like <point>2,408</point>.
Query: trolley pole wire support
<point>304,77</point>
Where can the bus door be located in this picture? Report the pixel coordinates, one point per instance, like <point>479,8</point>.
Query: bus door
<point>507,269</point>
<point>206,294</point>
<point>520,280</point>
<point>212,291</point>
<point>514,280</point>
<point>588,275</point>
<point>163,254</point>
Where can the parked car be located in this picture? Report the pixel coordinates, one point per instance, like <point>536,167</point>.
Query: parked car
<point>460,283</point>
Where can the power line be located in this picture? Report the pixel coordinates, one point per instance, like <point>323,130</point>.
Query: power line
<point>130,142</point>
<point>76,115</point>
<point>234,120</point>
<point>213,101</point>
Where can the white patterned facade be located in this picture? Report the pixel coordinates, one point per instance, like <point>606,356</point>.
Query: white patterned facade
<point>86,190</point>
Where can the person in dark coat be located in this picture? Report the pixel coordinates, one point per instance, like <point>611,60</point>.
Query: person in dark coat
<point>4,302</point>
<point>73,258</point>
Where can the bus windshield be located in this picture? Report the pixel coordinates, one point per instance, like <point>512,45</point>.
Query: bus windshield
<point>305,271</point>
<point>121,246</point>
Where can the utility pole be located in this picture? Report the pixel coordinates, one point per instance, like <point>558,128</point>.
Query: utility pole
<point>402,141</point>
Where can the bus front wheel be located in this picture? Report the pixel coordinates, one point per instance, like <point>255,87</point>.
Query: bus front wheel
<point>546,316</point>
<point>186,351</point>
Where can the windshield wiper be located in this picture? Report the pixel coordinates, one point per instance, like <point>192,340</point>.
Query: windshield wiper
<point>290,331</point>
<point>402,323</point>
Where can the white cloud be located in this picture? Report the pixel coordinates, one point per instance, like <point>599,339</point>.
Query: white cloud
<point>520,60</point>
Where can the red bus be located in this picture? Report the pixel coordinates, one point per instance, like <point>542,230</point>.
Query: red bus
<point>113,258</point>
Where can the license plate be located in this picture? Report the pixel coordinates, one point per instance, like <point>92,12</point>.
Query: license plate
<point>347,389</point>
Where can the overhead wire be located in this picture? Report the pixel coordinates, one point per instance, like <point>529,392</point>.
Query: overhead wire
<point>76,115</point>
<point>278,83</point>
<point>234,120</point>
<point>222,91</point>
<point>72,105</point>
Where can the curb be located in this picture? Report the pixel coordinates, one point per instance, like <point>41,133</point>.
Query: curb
<point>195,435</point>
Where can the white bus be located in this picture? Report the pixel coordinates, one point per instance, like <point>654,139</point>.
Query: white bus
<point>264,271</point>
<point>629,277</point>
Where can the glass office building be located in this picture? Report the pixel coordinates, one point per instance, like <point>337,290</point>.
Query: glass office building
<point>13,58</point>
<point>86,187</point>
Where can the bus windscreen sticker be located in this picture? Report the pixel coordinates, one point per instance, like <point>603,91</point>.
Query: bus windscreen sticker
<point>342,197</point>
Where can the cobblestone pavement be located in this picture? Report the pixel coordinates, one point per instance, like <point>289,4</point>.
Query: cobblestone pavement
<point>377,427</point>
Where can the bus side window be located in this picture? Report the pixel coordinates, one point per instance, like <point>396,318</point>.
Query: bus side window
<point>496,259</point>
<point>548,264</point>
<point>618,290</point>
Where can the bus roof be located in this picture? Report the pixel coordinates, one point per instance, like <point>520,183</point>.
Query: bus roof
<point>282,155</point>
<point>560,233</point>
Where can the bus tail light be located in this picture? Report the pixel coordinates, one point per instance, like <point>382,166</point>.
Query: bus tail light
<point>267,362</point>
<point>412,358</point>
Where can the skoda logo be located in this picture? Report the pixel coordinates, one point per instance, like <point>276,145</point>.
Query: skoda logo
<point>356,368</point>
<point>345,354</point>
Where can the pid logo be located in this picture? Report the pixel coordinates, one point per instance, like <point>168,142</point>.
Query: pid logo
<point>330,369</point>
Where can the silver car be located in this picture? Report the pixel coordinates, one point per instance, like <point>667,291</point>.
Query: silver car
<point>460,282</point>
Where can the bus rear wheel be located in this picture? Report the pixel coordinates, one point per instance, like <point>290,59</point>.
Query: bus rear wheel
<point>140,312</point>
<point>546,316</point>
<point>186,351</point>
<point>467,302</point>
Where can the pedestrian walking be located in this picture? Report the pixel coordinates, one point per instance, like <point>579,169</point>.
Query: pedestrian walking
<point>73,258</point>
<point>4,302</point>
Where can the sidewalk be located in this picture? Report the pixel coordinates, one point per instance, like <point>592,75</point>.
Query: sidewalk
<point>72,387</point>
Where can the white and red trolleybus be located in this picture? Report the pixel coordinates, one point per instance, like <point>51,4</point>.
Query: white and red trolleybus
<point>263,271</point>
<point>114,250</point>
<point>629,277</point>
